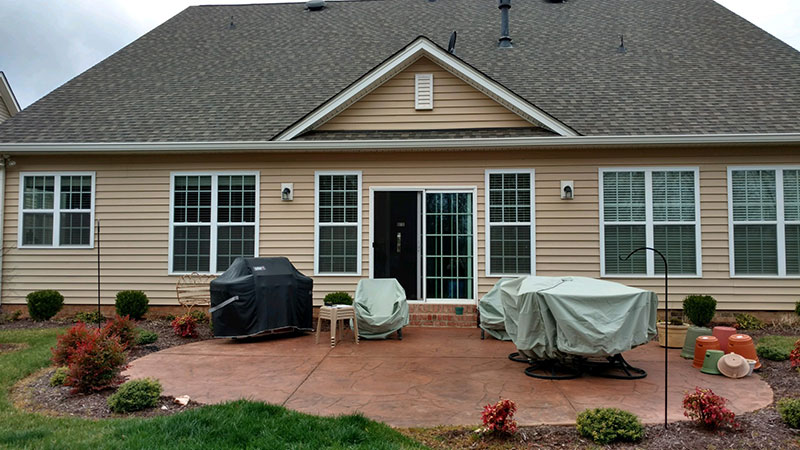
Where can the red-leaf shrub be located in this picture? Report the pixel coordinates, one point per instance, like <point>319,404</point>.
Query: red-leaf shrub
<point>706,408</point>
<point>185,326</point>
<point>123,328</point>
<point>96,362</point>
<point>794,357</point>
<point>500,417</point>
<point>68,342</point>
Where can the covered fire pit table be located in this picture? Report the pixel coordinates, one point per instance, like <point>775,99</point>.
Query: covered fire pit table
<point>564,327</point>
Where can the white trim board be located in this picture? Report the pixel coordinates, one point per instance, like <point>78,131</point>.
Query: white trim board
<point>7,95</point>
<point>420,47</point>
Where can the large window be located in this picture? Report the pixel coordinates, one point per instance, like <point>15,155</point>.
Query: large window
<point>651,207</point>
<point>765,221</point>
<point>214,220</point>
<point>509,222</point>
<point>338,223</point>
<point>56,209</point>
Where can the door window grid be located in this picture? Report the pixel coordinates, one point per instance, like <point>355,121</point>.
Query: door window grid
<point>509,209</point>
<point>56,210</point>
<point>449,249</point>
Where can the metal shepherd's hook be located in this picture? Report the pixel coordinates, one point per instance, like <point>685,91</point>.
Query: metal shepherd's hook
<point>666,320</point>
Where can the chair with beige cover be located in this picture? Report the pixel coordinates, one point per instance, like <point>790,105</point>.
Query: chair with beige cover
<point>193,290</point>
<point>381,308</point>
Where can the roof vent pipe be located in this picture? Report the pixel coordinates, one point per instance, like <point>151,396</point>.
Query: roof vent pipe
<point>315,5</point>
<point>505,39</point>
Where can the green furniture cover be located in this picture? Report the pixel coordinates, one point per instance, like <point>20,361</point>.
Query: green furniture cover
<point>381,307</point>
<point>552,317</point>
<point>490,308</point>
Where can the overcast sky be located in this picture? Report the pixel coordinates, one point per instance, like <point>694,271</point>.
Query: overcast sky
<point>44,43</point>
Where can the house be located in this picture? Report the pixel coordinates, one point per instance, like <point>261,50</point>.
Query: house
<point>367,139</point>
<point>8,102</point>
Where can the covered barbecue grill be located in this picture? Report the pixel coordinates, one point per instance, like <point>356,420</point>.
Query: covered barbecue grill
<point>260,295</point>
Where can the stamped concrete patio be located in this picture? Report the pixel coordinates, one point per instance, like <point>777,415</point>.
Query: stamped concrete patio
<point>431,377</point>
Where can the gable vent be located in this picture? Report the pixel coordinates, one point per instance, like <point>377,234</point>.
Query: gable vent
<point>423,91</point>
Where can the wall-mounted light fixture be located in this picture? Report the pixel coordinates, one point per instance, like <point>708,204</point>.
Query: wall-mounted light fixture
<point>567,190</point>
<point>287,192</point>
<point>7,161</point>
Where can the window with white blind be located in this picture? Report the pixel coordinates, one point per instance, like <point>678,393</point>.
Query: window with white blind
<point>764,214</point>
<point>510,219</point>
<point>338,223</point>
<point>56,210</point>
<point>649,207</point>
<point>214,220</point>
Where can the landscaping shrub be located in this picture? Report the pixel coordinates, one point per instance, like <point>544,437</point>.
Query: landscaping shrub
<point>789,409</point>
<point>797,308</point>
<point>338,298</point>
<point>10,317</point>
<point>199,316</point>
<point>42,305</point>
<point>96,362</point>
<point>59,377</point>
<point>89,317</point>
<point>607,425</point>
<point>499,418</point>
<point>700,309</point>
<point>794,356</point>
<point>122,327</point>
<point>145,337</point>
<point>135,395</point>
<point>746,321</point>
<point>708,409</point>
<point>132,303</point>
<point>775,348</point>
<point>185,326</point>
<point>68,342</point>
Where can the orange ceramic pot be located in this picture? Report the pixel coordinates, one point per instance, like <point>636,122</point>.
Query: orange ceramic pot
<point>723,333</point>
<point>701,344</point>
<point>742,345</point>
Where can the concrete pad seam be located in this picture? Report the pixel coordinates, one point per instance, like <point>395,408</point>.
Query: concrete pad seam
<point>308,375</point>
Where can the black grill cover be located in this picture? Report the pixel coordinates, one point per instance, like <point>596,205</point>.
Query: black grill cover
<point>268,294</point>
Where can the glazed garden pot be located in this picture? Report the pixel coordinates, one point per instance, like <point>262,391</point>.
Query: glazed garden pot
<point>677,335</point>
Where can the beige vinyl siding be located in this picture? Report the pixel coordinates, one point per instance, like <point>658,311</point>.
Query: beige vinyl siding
<point>455,105</point>
<point>133,207</point>
<point>5,114</point>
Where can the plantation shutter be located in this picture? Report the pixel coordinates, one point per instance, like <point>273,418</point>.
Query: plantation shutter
<point>754,205</point>
<point>510,223</point>
<point>624,214</point>
<point>674,201</point>
<point>791,206</point>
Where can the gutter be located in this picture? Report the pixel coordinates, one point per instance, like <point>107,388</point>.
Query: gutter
<point>643,141</point>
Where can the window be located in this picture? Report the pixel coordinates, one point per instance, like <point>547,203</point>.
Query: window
<point>765,221</point>
<point>338,223</point>
<point>214,220</point>
<point>652,207</point>
<point>509,222</point>
<point>56,210</point>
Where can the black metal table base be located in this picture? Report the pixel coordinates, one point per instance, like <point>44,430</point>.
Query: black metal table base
<point>554,369</point>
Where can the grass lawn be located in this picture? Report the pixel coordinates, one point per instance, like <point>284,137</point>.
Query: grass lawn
<point>240,424</point>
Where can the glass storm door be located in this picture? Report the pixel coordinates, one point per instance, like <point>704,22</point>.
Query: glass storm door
<point>449,245</point>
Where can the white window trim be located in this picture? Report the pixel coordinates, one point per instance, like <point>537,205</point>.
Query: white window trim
<point>780,221</point>
<point>55,211</point>
<point>212,264</point>
<point>317,224</point>
<point>649,223</point>
<point>488,224</point>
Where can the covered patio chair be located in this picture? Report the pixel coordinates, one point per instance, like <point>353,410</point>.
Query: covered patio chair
<point>381,308</point>
<point>491,313</point>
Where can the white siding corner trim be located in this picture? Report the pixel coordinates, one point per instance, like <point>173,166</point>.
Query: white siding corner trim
<point>423,91</point>
<point>488,223</point>
<point>359,234</point>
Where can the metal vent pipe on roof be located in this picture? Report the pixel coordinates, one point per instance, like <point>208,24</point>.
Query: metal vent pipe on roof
<point>505,39</point>
<point>315,5</point>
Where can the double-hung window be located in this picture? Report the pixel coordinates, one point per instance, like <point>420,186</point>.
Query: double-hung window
<point>652,207</point>
<point>764,205</point>
<point>338,223</point>
<point>214,220</point>
<point>510,222</point>
<point>56,210</point>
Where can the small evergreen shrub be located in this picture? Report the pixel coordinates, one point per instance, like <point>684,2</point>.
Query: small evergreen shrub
<point>747,321</point>
<point>338,298</point>
<point>789,409</point>
<point>10,317</point>
<point>122,327</point>
<point>700,309</point>
<point>145,337</point>
<point>43,305</point>
<point>775,348</point>
<point>89,317</point>
<point>96,363</point>
<point>169,317</point>
<point>135,395</point>
<point>68,342</point>
<point>199,316</point>
<point>185,326</point>
<point>607,425</point>
<point>499,418</point>
<point>706,408</point>
<point>132,303</point>
<point>59,377</point>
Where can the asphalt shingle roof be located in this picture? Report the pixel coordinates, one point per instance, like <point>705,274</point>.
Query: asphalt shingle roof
<point>691,67</point>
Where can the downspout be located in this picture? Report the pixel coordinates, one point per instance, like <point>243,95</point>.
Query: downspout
<point>2,217</point>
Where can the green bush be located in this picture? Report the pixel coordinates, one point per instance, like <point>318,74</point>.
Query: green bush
<point>59,377</point>
<point>700,309</point>
<point>338,298</point>
<point>746,321</point>
<point>133,304</point>
<point>42,305</point>
<point>789,409</point>
<point>135,395</point>
<point>89,317</point>
<point>775,348</point>
<point>199,316</point>
<point>145,337</point>
<point>797,308</point>
<point>607,425</point>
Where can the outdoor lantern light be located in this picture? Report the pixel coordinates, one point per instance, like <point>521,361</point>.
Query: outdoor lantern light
<point>567,190</point>
<point>287,192</point>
